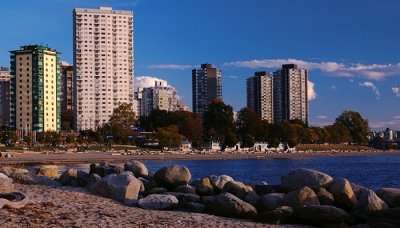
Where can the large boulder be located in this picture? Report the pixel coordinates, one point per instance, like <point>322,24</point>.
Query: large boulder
<point>74,177</point>
<point>123,187</point>
<point>103,169</point>
<point>266,189</point>
<point>185,189</point>
<point>385,218</point>
<point>158,202</point>
<point>325,197</point>
<point>280,215</point>
<point>390,195</point>
<point>193,207</point>
<point>305,177</point>
<point>14,200</point>
<point>271,201</point>
<point>137,168</point>
<point>205,187</point>
<point>173,176</point>
<point>50,171</point>
<point>322,215</point>
<point>303,196</point>
<point>227,204</point>
<point>6,184</point>
<point>219,181</point>
<point>184,197</point>
<point>252,198</point>
<point>368,203</point>
<point>237,188</point>
<point>343,193</point>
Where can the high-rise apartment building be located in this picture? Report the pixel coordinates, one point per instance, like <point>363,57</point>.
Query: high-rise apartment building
<point>4,96</point>
<point>260,95</point>
<point>103,61</point>
<point>206,87</point>
<point>35,89</point>
<point>67,101</point>
<point>158,97</point>
<point>290,94</point>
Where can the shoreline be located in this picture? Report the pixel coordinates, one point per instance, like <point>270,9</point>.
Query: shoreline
<point>38,158</point>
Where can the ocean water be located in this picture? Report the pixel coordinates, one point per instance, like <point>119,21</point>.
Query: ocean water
<point>370,171</point>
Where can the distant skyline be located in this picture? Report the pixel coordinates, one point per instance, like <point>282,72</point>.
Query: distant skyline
<point>350,47</point>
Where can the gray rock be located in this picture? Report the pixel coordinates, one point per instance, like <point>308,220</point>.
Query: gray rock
<point>205,187</point>
<point>193,207</point>
<point>385,218</point>
<point>227,204</point>
<point>322,214</point>
<point>137,168</point>
<point>103,169</point>
<point>157,190</point>
<point>173,176</point>
<point>280,215</point>
<point>252,198</point>
<point>6,184</point>
<point>123,187</point>
<point>325,197</point>
<point>219,181</point>
<point>271,201</point>
<point>368,203</point>
<point>302,197</point>
<point>185,189</point>
<point>390,195</point>
<point>237,188</point>
<point>184,197</point>
<point>14,200</point>
<point>343,193</point>
<point>158,202</point>
<point>305,177</point>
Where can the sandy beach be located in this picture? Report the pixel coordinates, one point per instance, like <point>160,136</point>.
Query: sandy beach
<point>74,207</point>
<point>34,158</point>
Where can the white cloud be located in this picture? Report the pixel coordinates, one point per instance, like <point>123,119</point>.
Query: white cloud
<point>396,91</point>
<point>370,71</point>
<point>371,86</point>
<point>312,95</point>
<point>171,67</point>
<point>148,81</point>
<point>65,63</point>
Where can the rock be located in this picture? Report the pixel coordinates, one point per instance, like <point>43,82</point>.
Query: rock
<point>19,175</point>
<point>157,190</point>
<point>104,169</point>
<point>148,183</point>
<point>74,177</point>
<point>123,187</point>
<point>266,189</point>
<point>325,197</point>
<point>173,176</point>
<point>185,189</point>
<point>271,201</point>
<point>280,215</point>
<point>94,180</point>
<point>137,168</point>
<point>219,181</point>
<point>343,193</point>
<point>6,184</point>
<point>252,198</point>
<point>205,187</point>
<point>50,171</point>
<point>14,200</point>
<point>237,188</point>
<point>193,207</point>
<point>390,195</point>
<point>227,204</point>
<point>184,197</point>
<point>368,203</point>
<point>385,218</point>
<point>322,215</point>
<point>158,202</point>
<point>305,177</point>
<point>301,197</point>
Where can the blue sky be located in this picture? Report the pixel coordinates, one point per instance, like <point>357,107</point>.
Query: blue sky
<point>351,47</point>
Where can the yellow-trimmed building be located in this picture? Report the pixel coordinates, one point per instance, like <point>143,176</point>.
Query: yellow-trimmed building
<point>35,89</point>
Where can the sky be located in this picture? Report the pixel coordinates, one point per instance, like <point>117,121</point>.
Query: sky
<point>350,47</point>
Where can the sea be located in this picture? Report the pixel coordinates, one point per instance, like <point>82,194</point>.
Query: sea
<point>373,171</point>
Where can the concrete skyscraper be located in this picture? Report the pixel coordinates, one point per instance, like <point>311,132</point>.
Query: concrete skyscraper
<point>103,61</point>
<point>260,95</point>
<point>35,89</point>
<point>290,94</point>
<point>4,96</point>
<point>206,87</point>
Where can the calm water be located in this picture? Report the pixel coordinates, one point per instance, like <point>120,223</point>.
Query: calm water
<point>369,171</point>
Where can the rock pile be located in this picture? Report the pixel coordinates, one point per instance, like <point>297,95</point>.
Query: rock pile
<point>304,196</point>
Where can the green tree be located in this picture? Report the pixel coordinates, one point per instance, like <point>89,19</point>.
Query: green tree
<point>219,124</point>
<point>169,136</point>
<point>249,127</point>
<point>356,125</point>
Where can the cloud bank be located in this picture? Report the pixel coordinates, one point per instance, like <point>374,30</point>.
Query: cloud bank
<point>370,71</point>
